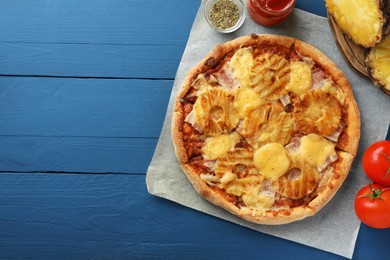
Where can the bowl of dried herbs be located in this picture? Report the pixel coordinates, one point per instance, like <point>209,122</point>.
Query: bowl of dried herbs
<point>225,16</point>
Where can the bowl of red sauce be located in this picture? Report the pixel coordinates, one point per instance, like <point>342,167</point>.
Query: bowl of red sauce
<point>270,12</point>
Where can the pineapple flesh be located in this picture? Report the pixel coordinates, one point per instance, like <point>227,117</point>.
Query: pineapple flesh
<point>361,20</point>
<point>267,124</point>
<point>269,76</point>
<point>302,184</point>
<point>378,63</point>
<point>318,112</point>
<point>214,113</point>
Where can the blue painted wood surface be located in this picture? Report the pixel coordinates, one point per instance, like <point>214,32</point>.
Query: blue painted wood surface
<point>84,86</point>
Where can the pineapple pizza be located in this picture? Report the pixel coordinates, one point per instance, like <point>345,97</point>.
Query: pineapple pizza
<point>266,127</point>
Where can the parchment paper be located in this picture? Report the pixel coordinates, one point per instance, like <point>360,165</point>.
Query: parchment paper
<point>335,228</point>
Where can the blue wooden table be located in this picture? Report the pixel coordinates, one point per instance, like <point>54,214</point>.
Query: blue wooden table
<point>84,87</point>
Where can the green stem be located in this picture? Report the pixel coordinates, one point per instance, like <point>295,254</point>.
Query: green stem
<point>388,158</point>
<point>375,194</point>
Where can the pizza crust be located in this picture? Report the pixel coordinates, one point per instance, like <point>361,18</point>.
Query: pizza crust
<point>348,141</point>
<point>267,218</point>
<point>177,132</point>
<point>340,174</point>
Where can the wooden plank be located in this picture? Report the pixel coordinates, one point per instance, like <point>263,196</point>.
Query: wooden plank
<point>107,22</point>
<point>123,39</point>
<point>64,38</point>
<point>76,154</point>
<point>152,60</point>
<point>97,22</point>
<point>82,107</point>
<point>67,216</point>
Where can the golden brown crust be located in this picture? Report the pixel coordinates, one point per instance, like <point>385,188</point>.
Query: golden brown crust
<point>342,168</point>
<point>177,132</point>
<point>277,217</point>
<point>348,140</point>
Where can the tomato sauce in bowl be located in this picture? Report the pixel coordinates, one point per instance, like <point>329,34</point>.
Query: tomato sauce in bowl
<point>270,12</point>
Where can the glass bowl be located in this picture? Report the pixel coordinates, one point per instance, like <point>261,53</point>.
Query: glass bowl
<point>241,8</point>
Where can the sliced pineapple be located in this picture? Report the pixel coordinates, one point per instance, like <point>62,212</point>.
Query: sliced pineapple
<point>238,161</point>
<point>278,128</point>
<point>251,124</point>
<point>269,76</point>
<point>299,181</point>
<point>378,62</point>
<point>318,112</point>
<point>268,124</point>
<point>239,186</point>
<point>335,90</point>
<point>361,20</point>
<point>214,113</point>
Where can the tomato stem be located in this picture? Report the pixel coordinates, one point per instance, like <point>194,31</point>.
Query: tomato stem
<point>388,158</point>
<point>375,194</point>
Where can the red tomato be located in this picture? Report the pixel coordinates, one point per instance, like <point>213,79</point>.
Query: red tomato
<point>372,205</point>
<point>376,162</point>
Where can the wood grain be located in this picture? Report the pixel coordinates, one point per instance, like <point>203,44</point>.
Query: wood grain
<point>83,216</point>
<point>150,60</point>
<point>85,134</point>
<point>121,39</point>
<point>76,154</point>
<point>36,106</point>
<point>97,22</point>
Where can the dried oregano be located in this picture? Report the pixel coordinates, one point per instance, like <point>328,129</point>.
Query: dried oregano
<point>224,14</point>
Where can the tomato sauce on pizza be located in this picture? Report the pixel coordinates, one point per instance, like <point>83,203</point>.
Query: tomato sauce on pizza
<point>266,127</point>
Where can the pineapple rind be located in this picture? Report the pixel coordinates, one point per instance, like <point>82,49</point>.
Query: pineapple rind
<point>378,61</point>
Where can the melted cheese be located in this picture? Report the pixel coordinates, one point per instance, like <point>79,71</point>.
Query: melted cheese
<point>255,200</point>
<point>201,83</point>
<point>300,80</point>
<point>246,99</point>
<point>210,179</point>
<point>272,160</point>
<point>238,187</point>
<point>250,188</point>
<point>242,63</point>
<point>336,91</point>
<point>217,146</point>
<point>226,178</point>
<point>316,149</point>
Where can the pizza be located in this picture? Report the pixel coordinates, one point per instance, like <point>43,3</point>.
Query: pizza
<point>266,127</point>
